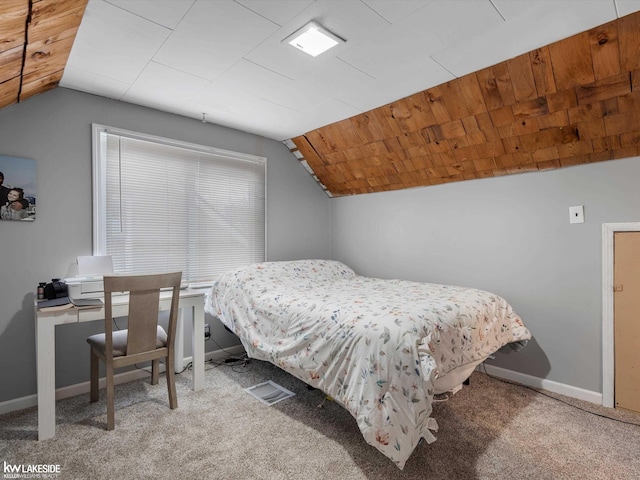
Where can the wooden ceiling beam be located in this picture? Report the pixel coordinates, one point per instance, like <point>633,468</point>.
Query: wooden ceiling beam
<point>35,41</point>
<point>571,102</point>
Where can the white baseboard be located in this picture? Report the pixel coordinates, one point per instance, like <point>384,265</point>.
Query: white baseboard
<point>82,388</point>
<point>537,382</point>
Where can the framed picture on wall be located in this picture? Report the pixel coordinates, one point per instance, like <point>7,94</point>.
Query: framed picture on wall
<point>17,189</point>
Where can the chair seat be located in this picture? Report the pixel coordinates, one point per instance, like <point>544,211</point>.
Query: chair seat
<point>120,341</point>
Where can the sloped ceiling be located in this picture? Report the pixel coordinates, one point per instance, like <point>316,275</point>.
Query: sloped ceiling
<point>35,40</point>
<point>572,102</point>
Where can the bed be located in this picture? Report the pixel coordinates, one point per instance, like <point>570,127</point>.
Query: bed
<point>381,348</point>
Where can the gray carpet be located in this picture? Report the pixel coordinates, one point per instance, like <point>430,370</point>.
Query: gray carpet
<point>489,430</point>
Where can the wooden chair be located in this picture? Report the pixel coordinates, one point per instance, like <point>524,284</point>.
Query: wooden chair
<point>144,340</point>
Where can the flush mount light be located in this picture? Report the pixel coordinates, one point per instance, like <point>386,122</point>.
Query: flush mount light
<point>313,39</point>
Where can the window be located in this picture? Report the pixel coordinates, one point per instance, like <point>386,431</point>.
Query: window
<point>163,205</point>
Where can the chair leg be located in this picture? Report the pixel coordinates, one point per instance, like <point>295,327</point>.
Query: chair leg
<point>155,371</point>
<point>111,421</point>
<point>95,373</point>
<point>171,382</point>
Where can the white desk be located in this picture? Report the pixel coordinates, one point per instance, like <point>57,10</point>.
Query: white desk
<point>45,346</point>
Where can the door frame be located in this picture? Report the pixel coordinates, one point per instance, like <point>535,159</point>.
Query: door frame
<point>608,358</point>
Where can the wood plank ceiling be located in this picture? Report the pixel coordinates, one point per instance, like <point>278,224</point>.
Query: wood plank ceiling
<point>36,37</point>
<point>573,102</point>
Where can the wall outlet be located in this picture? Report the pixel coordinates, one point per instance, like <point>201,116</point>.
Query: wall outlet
<point>207,331</point>
<point>576,214</point>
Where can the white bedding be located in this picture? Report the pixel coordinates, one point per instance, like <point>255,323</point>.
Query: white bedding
<point>376,346</point>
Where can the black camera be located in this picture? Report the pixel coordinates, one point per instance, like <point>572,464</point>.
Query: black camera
<point>55,289</point>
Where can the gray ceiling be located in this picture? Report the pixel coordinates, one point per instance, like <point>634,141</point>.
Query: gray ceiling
<point>225,58</point>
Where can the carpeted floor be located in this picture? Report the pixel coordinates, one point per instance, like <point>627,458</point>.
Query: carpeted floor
<point>489,430</point>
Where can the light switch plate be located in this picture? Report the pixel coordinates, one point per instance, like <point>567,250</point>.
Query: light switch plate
<point>576,214</point>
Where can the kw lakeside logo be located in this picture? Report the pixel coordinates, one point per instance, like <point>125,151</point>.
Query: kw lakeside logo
<point>29,471</point>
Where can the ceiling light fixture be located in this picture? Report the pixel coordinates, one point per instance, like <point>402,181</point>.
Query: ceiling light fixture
<point>313,39</point>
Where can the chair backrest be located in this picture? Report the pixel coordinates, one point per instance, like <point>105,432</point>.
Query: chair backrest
<point>144,297</point>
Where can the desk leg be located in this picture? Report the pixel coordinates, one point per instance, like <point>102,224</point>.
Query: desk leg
<point>179,345</point>
<point>46,373</point>
<point>197,342</point>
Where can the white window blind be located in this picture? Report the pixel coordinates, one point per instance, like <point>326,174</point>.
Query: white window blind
<point>162,205</point>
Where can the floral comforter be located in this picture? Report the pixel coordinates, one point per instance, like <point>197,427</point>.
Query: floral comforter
<point>376,346</point>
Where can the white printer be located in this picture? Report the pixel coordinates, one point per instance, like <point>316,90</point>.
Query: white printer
<point>88,282</point>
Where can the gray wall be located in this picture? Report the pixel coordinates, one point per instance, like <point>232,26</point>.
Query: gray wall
<point>55,129</point>
<point>510,235</point>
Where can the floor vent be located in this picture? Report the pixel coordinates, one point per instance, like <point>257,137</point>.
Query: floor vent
<point>269,392</point>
